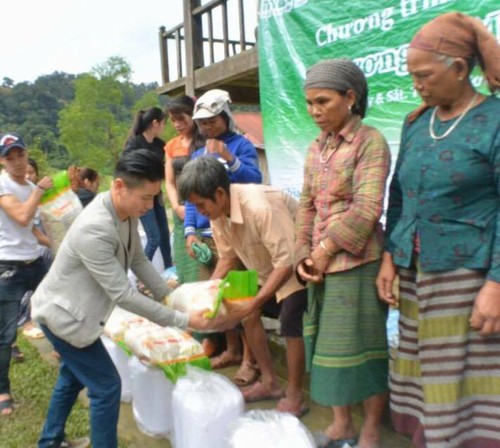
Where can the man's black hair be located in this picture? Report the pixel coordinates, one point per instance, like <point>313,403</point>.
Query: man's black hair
<point>203,176</point>
<point>136,166</point>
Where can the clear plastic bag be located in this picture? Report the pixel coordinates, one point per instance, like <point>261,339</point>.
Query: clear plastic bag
<point>197,296</point>
<point>270,429</point>
<point>168,348</point>
<point>120,360</point>
<point>119,321</point>
<point>151,399</point>
<point>204,406</point>
<point>171,278</point>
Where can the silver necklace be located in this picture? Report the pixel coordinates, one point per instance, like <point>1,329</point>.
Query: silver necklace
<point>453,126</point>
<point>326,147</point>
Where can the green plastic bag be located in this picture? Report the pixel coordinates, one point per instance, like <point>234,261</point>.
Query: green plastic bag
<point>238,287</point>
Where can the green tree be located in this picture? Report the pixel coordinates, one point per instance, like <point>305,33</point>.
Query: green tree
<point>94,125</point>
<point>31,109</point>
<point>7,82</point>
<point>115,67</point>
<point>44,168</point>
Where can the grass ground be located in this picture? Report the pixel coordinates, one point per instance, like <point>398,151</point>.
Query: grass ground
<point>31,383</point>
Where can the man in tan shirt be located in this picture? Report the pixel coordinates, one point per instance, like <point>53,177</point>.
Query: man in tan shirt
<point>255,223</point>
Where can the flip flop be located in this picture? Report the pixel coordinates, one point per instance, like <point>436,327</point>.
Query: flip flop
<point>246,375</point>
<point>33,333</point>
<point>16,354</point>
<point>324,441</point>
<point>223,360</point>
<point>258,392</point>
<point>295,407</point>
<point>6,404</point>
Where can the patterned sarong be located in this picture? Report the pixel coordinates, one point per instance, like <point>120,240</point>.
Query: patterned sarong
<point>345,337</point>
<point>445,380</point>
<point>187,268</point>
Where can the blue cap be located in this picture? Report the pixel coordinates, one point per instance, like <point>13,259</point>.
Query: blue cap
<point>10,141</point>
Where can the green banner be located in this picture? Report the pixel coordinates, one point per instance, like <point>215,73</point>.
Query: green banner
<point>294,34</point>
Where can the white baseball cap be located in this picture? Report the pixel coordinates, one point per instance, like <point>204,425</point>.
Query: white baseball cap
<point>212,103</point>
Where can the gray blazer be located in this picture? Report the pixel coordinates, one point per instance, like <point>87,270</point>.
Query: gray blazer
<point>89,277</point>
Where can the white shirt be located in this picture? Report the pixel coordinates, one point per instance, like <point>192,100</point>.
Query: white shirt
<point>16,242</point>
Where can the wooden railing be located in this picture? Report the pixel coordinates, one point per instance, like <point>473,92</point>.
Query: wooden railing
<point>185,47</point>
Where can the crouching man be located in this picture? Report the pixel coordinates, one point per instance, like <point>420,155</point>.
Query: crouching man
<point>85,282</point>
<point>255,223</point>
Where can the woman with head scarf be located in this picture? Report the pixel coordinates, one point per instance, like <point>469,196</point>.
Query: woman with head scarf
<point>338,250</point>
<point>443,239</point>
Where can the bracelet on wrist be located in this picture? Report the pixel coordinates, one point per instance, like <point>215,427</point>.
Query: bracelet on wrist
<point>325,249</point>
<point>41,188</point>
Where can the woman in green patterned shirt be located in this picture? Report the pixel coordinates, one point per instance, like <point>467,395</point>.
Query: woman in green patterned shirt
<point>443,239</point>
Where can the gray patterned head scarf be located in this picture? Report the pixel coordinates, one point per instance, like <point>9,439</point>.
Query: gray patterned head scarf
<point>340,75</point>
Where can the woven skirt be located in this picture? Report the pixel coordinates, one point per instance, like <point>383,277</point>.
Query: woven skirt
<point>345,337</point>
<point>445,379</point>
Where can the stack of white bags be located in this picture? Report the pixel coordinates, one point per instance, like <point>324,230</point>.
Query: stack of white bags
<point>199,409</point>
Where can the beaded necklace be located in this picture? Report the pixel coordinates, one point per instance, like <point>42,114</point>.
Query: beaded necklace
<point>327,147</point>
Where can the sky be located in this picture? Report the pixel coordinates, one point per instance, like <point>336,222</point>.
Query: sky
<point>40,37</point>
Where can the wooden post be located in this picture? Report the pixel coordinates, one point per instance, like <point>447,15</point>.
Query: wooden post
<point>241,15</point>
<point>225,33</point>
<point>165,77</point>
<point>193,43</point>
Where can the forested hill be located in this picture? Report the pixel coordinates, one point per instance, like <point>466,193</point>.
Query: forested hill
<point>81,119</point>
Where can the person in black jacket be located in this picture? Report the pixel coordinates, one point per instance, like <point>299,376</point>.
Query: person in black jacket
<point>148,126</point>
<point>88,185</point>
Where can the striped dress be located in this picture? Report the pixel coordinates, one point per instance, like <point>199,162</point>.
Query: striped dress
<point>445,380</point>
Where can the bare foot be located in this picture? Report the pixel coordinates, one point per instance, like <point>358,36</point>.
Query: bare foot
<point>369,437</point>
<point>340,431</point>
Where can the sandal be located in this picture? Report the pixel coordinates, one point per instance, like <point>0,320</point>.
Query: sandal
<point>16,354</point>
<point>246,375</point>
<point>33,333</point>
<point>6,405</point>
<point>224,360</point>
<point>259,392</point>
<point>295,407</point>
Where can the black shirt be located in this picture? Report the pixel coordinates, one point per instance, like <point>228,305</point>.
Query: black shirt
<point>139,142</point>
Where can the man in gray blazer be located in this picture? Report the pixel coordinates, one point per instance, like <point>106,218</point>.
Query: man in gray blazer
<point>87,279</point>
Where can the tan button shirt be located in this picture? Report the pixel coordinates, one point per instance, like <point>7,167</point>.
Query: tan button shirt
<point>260,231</point>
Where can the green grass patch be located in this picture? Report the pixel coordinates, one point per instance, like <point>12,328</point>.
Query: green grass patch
<point>32,382</point>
